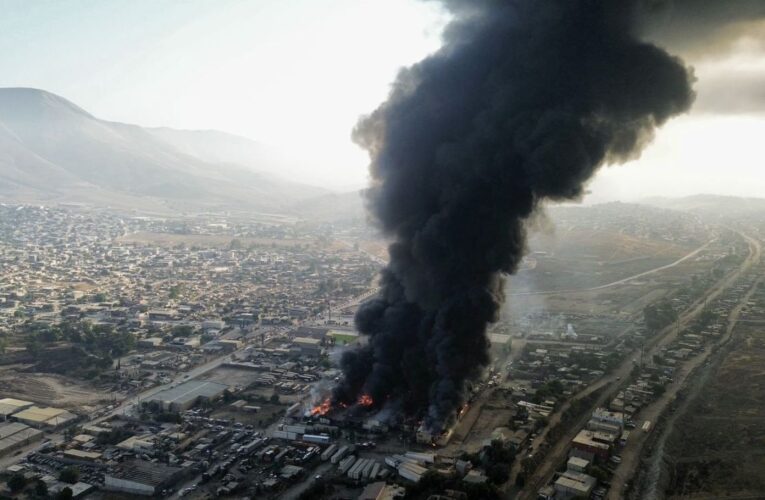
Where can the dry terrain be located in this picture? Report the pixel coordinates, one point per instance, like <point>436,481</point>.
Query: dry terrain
<point>717,450</point>
<point>51,390</point>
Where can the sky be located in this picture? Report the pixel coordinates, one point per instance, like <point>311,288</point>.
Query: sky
<point>297,75</point>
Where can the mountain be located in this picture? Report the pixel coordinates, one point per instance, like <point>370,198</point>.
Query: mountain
<point>332,207</point>
<point>214,146</point>
<point>52,150</point>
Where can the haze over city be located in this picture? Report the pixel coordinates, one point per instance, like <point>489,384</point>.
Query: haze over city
<point>382,249</point>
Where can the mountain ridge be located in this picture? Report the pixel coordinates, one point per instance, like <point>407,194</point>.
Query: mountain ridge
<point>51,149</point>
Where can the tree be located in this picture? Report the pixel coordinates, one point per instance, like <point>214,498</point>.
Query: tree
<point>274,398</point>
<point>33,347</point>
<point>69,475</point>
<point>16,482</point>
<point>65,494</point>
<point>182,331</point>
<point>498,473</point>
<point>659,315</point>
<point>41,489</point>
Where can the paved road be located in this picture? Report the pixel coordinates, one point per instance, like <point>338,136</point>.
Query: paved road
<point>623,280</point>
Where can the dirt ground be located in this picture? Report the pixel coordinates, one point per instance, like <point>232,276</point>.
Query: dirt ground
<point>52,390</point>
<point>718,449</point>
<point>477,425</point>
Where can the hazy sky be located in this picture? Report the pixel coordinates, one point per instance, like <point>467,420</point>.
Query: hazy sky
<point>296,74</point>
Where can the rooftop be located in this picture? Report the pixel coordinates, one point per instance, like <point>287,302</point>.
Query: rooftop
<point>587,438</point>
<point>50,416</point>
<point>581,483</point>
<point>9,406</point>
<point>190,390</point>
<point>148,473</point>
<point>306,341</point>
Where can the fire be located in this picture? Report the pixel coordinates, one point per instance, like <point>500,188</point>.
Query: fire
<point>321,409</point>
<point>365,400</point>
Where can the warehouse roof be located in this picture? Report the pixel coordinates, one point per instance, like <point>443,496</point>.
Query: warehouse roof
<point>9,406</point>
<point>499,338</point>
<point>306,341</point>
<point>189,391</point>
<point>47,416</point>
<point>10,429</point>
<point>13,434</point>
<point>143,472</point>
<point>82,455</point>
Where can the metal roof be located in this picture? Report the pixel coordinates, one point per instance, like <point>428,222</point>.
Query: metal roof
<point>189,391</point>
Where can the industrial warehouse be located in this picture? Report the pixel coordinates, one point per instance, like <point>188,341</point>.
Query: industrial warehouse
<point>186,395</point>
<point>17,435</point>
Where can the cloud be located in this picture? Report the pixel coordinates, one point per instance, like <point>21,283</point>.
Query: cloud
<point>702,29</point>
<point>731,90</point>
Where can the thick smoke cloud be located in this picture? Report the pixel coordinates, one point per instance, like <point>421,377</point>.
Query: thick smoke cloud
<point>525,100</point>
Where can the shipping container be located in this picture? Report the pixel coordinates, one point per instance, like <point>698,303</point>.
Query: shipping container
<point>339,454</point>
<point>331,449</point>
<point>316,438</point>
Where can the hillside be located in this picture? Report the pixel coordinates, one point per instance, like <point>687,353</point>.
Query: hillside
<point>332,207</point>
<point>52,150</point>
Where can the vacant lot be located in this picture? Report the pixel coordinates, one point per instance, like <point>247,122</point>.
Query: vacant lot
<point>52,390</point>
<point>717,450</point>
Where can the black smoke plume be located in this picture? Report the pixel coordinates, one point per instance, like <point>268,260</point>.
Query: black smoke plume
<point>524,101</point>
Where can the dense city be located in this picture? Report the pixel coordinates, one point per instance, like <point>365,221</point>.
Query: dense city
<point>195,357</point>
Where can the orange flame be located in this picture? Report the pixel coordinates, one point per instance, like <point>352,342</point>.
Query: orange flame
<point>321,409</point>
<point>365,400</point>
